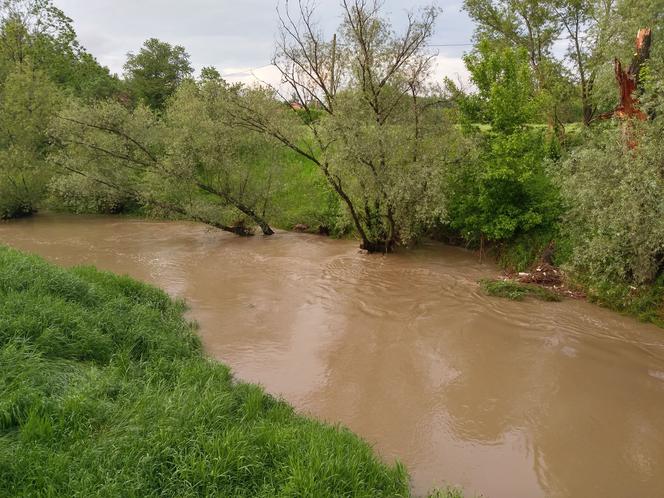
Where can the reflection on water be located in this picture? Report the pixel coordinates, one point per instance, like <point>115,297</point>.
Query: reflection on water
<point>506,399</point>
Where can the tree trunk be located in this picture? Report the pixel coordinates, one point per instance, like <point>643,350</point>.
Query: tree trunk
<point>259,220</point>
<point>381,246</point>
<point>628,81</point>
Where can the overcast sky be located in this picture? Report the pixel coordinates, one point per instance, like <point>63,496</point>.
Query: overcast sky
<point>234,36</point>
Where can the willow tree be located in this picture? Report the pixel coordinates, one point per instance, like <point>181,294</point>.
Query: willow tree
<point>185,161</point>
<point>354,108</point>
<point>27,101</point>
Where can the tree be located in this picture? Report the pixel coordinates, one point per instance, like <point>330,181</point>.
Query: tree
<point>615,194</point>
<point>359,116</point>
<point>533,26</point>
<point>590,27</point>
<point>530,24</point>
<point>505,192</point>
<point>184,161</point>
<point>38,33</point>
<point>154,73</point>
<point>596,31</point>
<point>210,73</point>
<point>27,101</point>
<point>506,95</point>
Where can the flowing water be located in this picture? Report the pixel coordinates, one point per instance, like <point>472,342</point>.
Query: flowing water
<point>505,399</point>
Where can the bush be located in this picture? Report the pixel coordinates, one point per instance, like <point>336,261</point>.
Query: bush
<point>80,194</point>
<point>615,199</point>
<point>19,195</point>
<point>505,194</point>
<point>28,100</point>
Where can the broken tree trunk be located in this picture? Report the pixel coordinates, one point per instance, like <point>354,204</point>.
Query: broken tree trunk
<point>628,85</point>
<point>628,81</point>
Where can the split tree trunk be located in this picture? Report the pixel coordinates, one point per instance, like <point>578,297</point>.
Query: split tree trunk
<point>628,81</point>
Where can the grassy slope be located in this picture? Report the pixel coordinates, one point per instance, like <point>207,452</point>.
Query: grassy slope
<point>104,392</point>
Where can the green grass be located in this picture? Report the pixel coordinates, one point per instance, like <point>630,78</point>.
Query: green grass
<point>104,391</point>
<point>645,302</point>
<point>304,197</point>
<point>517,291</point>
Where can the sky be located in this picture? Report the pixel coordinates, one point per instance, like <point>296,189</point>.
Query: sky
<point>237,37</point>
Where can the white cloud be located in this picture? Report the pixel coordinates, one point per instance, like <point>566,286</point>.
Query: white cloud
<point>450,67</point>
<point>267,74</point>
<point>443,67</point>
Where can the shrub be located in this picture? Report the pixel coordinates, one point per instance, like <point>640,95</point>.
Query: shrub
<point>508,192</point>
<point>19,195</point>
<point>80,194</point>
<point>615,200</point>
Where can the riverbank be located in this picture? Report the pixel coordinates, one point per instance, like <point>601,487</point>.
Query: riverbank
<point>104,389</point>
<point>404,350</point>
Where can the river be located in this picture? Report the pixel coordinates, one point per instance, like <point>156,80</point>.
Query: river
<point>506,399</point>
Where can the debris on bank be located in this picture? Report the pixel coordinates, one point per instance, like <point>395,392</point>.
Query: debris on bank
<point>544,282</point>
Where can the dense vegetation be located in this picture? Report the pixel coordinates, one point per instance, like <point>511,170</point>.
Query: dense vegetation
<point>531,163</point>
<point>104,392</point>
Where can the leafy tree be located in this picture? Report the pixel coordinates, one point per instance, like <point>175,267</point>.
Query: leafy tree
<point>528,24</point>
<point>589,26</point>
<point>38,33</point>
<point>360,117</point>
<point>210,73</point>
<point>27,101</point>
<point>505,95</point>
<point>154,73</point>
<point>615,196</point>
<point>596,31</point>
<point>506,191</point>
<point>186,160</point>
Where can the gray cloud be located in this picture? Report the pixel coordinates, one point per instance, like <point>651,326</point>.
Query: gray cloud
<point>222,33</point>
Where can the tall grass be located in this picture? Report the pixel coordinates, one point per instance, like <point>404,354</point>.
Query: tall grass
<point>104,391</point>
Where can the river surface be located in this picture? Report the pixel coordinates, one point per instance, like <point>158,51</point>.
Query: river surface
<point>503,398</point>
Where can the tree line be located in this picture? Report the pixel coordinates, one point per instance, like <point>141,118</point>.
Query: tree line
<point>358,138</point>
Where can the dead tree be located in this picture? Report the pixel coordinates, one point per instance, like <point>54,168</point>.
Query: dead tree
<point>628,81</point>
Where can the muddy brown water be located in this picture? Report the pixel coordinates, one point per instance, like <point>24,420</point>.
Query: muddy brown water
<point>505,399</point>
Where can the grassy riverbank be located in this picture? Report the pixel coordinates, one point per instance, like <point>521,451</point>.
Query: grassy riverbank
<point>104,391</point>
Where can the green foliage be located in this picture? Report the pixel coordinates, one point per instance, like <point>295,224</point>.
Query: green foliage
<point>505,88</point>
<point>646,302</point>
<point>615,199</point>
<point>525,250</point>
<point>104,391</point>
<point>38,33</point>
<point>202,147</point>
<point>504,191</point>
<point>362,120</point>
<point>305,198</point>
<point>94,176</point>
<point>27,101</point>
<point>154,73</point>
<point>81,194</point>
<point>40,60</point>
<point>516,291</point>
